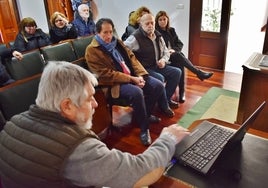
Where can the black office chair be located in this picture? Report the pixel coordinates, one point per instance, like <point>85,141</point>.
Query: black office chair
<point>31,64</point>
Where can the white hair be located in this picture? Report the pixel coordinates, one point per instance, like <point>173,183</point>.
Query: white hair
<point>80,7</point>
<point>62,80</point>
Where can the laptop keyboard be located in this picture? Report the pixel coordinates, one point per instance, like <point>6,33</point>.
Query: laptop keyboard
<point>200,153</point>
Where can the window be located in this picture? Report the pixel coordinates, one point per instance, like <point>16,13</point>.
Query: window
<point>211,15</point>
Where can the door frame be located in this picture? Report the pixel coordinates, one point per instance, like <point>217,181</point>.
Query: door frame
<point>208,49</point>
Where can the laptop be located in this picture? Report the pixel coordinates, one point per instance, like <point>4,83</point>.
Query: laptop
<point>264,61</point>
<point>201,149</point>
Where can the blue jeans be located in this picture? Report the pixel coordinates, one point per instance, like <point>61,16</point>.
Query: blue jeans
<point>169,74</point>
<point>142,100</point>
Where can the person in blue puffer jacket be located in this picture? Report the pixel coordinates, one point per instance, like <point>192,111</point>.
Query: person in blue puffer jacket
<point>30,36</point>
<point>91,4</point>
<point>84,22</point>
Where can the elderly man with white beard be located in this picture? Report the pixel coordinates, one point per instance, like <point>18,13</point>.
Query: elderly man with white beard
<point>51,145</point>
<point>84,22</point>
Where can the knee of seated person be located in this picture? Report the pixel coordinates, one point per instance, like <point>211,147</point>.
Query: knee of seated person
<point>176,73</point>
<point>159,77</point>
<point>158,85</point>
<point>137,93</point>
<point>155,81</point>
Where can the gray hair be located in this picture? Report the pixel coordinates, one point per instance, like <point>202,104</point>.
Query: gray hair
<point>61,80</point>
<point>82,6</point>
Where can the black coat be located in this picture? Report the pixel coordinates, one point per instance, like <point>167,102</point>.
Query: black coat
<point>30,42</point>
<point>59,34</point>
<point>170,36</point>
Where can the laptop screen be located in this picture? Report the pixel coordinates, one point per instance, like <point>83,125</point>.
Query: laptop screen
<point>240,133</point>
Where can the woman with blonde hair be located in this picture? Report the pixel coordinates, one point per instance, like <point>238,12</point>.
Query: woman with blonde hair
<point>177,58</point>
<point>60,28</point>
<point>134,20</point>
<point>30,36</point>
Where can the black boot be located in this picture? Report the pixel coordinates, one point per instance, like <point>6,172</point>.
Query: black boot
<point>203,75</point>
<point>182,97</point>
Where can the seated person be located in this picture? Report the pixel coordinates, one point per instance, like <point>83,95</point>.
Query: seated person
<point>5,78</point>
<point>57,148</point>
<point>150,49</point>
<point>84,22</point>
<point>9,53</point>
<point>90,3</point>
<point>61,29</point>
<point>30,36</point>
<point>134,19</point>
<point>116,66</point>
<point>127,30</point>
<point>177,58</point>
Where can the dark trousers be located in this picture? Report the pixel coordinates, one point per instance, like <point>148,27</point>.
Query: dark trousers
<point>170,75</point>
<point>179,60</point>
<point>142,100</point>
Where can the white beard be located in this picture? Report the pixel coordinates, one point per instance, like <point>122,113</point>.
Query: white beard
<point>84,15</point>
<point>81,121</point>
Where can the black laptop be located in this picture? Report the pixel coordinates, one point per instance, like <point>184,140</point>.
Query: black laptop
<point>264,61</point>
<point>203,146</point>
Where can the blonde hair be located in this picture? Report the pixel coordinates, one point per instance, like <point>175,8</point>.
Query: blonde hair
<point>54,17</point>
<point>135,17</point>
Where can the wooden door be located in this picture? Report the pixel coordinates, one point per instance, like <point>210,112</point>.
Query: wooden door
<point>63,6</point>
<point>8,21</point>
<point>265,43</point>
<point>208,48</point>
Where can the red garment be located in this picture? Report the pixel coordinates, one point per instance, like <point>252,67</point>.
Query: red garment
<point>125,68</point>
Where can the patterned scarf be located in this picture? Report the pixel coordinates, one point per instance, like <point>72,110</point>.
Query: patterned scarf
<point>110,47</point>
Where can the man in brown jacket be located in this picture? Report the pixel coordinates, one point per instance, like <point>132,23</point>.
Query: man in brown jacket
<point>116,66</point>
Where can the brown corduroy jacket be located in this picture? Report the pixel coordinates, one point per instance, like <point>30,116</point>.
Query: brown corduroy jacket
<point>103,65</point>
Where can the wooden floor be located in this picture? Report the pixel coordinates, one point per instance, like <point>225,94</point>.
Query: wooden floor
<point>128,138</point>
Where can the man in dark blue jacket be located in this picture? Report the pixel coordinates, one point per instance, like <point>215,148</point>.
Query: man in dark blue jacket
<point>84,22</point>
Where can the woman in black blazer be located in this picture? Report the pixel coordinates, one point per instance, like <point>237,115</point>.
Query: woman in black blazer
<point>177,58</point>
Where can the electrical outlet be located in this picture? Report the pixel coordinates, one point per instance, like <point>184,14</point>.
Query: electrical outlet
<point>180,6</point>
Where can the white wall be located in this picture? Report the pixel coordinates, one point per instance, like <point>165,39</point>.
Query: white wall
<point>34,9</point>
<point>244,34</point>
<point>118,11</point>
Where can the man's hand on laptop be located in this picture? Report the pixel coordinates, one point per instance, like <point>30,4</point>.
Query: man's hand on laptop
<point>176,132</point>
